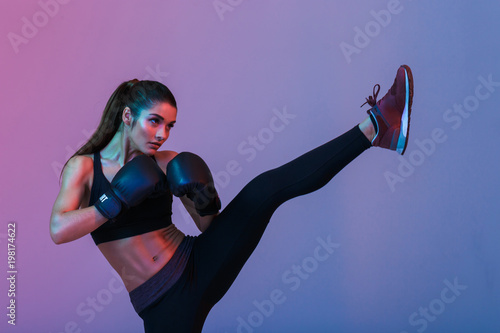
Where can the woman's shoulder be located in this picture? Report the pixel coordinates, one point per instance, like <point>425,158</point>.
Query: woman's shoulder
<point>81,162</point>
<point>79,166</point>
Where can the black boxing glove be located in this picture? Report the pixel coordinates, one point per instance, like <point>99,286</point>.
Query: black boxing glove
<point>133,183</point>
<point>188,174</point>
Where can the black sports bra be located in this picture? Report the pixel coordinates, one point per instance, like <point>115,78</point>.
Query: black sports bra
<point>152,214</point>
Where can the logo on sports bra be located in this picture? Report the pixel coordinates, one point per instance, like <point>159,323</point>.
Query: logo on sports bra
<point>103,197</point>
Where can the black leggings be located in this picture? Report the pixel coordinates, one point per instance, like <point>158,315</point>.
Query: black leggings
<point>220,252</point>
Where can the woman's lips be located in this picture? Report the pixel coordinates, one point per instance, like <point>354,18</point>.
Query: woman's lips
<point>155,144</point>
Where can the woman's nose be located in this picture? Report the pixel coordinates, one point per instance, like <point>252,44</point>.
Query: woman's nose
<point>162,134</point>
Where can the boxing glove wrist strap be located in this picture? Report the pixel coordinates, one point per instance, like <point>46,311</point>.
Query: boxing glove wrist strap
<point>206,205</point>
<point>109,205</point>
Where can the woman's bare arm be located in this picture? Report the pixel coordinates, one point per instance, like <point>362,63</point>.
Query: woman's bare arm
<point>68,222</point>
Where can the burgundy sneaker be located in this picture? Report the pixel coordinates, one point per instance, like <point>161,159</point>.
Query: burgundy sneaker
<point>391,114</point>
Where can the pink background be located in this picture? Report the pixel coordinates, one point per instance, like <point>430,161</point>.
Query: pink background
<point>231,69</point>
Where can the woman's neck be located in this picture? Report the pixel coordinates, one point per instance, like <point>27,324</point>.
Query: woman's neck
<point>119,149</point>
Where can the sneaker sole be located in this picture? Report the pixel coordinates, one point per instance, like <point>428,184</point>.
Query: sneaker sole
<point>405,118</point>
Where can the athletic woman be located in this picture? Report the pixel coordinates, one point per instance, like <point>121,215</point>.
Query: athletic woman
<point>118,187</point>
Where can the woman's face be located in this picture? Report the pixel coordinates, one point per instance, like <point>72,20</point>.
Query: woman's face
<point>152,128</point>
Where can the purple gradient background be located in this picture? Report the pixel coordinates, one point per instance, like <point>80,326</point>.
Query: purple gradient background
<point>229,73</point>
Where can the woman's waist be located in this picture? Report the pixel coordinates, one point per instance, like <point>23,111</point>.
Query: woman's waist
<point>138,258</point>
<point>166,278</point>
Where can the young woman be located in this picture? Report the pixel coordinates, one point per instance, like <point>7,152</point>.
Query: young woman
<point>118,187</point>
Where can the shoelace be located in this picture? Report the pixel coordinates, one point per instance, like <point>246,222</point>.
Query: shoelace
<point>372,100</point>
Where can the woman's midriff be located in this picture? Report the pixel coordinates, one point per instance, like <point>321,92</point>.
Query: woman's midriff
<point>138,258</point>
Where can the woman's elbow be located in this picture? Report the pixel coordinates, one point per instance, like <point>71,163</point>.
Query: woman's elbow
<point>56,233</point>
<point>56,237</point>
<point>205,221</point>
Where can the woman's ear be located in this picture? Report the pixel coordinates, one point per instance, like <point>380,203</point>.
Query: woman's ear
<point>127,116</point>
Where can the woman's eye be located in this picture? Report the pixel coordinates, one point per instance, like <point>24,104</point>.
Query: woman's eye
<point>154,121</point>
